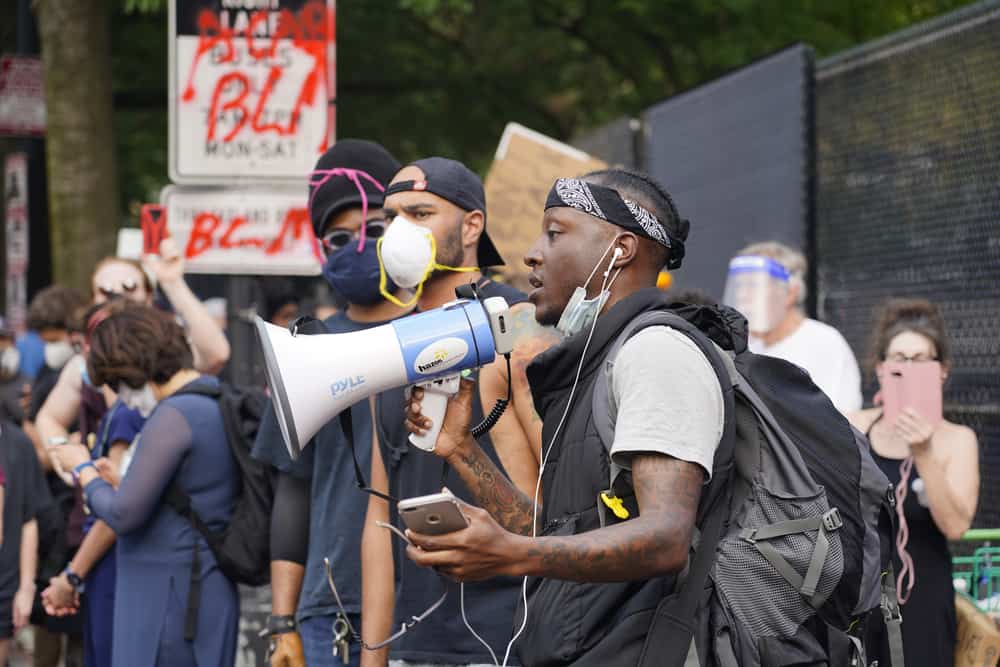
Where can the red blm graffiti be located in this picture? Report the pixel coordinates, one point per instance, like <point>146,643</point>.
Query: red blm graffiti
<point>209,231</point>
<point>309,31</point>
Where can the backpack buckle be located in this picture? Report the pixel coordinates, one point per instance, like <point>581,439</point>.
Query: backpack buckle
<point>749,535</point>
<point>832,519</point>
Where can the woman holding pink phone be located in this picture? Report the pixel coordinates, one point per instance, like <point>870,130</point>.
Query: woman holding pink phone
<point>933,464</point>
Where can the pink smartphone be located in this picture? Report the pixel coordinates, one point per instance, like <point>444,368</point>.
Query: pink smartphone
<point>914,385</point>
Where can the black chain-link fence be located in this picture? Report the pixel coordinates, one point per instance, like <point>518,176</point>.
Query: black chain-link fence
<point>908,202</point>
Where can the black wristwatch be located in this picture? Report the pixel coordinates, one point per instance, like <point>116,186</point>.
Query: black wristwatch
<point>75,580</point>
<point>279,625</point>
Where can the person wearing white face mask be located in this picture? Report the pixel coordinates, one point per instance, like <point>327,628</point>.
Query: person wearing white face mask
<point>12,381</point>
<point>73,400</point>
<point>766,283</point>
<point>437,241</point>
<point>143,353</point>
<point>54,315</point>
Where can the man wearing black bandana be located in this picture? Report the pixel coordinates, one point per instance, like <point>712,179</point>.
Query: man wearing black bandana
<point>592,590</point>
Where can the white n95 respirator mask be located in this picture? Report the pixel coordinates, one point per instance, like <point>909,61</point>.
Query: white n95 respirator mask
<point>407,254</point>
<point>757,287</point>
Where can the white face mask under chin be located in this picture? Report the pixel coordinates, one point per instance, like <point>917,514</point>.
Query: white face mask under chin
<point>580,312</point>
<point>142,400</point>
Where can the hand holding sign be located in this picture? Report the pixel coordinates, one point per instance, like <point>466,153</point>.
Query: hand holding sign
<point>167,266</point>
<point>153,219</point>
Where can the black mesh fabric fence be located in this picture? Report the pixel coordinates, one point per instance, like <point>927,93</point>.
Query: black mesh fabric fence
<point>908,202</point>
<point>736,154</point>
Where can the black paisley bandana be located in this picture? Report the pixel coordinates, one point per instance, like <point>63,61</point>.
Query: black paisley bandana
<point>608,205</point>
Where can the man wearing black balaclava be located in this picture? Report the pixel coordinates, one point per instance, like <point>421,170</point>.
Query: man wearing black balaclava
<point>318,511</point>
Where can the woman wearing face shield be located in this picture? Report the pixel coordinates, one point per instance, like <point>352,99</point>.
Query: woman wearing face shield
<point>143,353</point>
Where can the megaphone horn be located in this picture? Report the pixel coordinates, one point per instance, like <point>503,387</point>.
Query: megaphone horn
<point>313,378</point>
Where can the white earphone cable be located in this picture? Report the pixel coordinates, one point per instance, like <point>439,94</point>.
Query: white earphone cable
<point>545,456</point>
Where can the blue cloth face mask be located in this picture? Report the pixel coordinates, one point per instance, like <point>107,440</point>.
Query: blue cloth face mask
<point>580,312</point>
<point>354,274</point>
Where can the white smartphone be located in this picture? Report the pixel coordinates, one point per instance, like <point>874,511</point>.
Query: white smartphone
<point>435,514</point>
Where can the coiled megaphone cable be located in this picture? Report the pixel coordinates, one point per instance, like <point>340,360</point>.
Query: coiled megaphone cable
<point>490,420</point>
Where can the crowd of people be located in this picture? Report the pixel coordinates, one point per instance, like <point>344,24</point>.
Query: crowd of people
<point>110,404</point>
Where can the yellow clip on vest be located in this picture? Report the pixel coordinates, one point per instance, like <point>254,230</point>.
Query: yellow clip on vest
<point>614,503</point>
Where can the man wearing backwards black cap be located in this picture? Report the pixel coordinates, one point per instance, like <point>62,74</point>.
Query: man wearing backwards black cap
<point>318,512</point>
<point>593,589</point>
<point>443,196</point>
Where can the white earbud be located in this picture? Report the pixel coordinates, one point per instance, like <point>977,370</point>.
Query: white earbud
<point>618,252</point>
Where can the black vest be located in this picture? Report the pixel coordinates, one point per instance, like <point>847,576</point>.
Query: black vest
<point>489,605</point>
<point>569,622</point>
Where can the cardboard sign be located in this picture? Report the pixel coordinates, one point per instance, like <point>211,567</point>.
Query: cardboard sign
<point>978,640</point>
<point>153,218</point>
<point>251,89</point>
<point>22,96</point>
<point>526,165</point>
<point>263,231</point>
<point>129,244</point>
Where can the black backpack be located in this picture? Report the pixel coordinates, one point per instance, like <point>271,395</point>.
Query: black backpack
<point>792,561</point>
<point>242,548</point>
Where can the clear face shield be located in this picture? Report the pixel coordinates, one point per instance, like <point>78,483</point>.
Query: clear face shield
<point>757,287</point>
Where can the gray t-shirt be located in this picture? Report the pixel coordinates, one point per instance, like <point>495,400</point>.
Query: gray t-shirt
<point>665,398</point>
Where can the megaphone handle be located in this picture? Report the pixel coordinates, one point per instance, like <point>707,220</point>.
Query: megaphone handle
<point>433,406</point>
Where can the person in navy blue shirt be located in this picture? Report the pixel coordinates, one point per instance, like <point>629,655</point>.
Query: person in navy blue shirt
<point>318,510</point>
<point>144,355</point>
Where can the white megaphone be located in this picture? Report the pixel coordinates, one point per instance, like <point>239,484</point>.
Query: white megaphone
<point>314,377</point>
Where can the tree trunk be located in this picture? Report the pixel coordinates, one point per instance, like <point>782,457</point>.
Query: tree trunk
<point>80,142</point>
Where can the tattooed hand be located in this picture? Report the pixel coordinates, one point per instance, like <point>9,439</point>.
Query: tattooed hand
<point>481,551</point>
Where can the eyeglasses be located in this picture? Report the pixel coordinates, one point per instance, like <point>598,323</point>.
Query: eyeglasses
<point>917,358</point>
<point>127,286</point>
<point>336,239</point>
<point>406,625</point>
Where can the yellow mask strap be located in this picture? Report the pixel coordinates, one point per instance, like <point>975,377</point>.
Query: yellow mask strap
<point>383,279</point>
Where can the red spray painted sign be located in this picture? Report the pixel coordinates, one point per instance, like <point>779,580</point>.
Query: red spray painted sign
<point>251,89</point>
<point>22,96</point>
<point>263,231</point>
<point>15,196</point>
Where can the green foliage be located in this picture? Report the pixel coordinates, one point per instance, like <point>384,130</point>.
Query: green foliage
<point>142,6</point>
<point>444,76</point>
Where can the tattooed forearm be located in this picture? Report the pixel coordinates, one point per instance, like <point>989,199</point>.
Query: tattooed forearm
<point>493,491</point>
<point>653,544</point>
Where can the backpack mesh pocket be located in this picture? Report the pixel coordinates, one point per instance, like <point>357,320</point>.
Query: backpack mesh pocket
<point>763,602</point>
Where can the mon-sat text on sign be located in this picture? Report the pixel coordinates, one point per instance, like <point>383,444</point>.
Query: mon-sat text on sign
<point>251,89</point>
<point>252,232</point>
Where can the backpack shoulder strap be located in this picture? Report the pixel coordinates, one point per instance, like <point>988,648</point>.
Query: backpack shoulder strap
<point>601,400</point>
<point>200,389</point>
<point>673,624</point>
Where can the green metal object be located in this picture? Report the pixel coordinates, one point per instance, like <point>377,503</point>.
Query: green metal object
<point>978,576</point>
<point>982,535</point>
